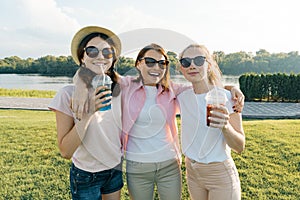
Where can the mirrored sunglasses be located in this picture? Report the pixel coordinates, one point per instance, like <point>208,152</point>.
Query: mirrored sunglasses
<point>198,61</point>
<point>93,52</point>
<point>150,62</point>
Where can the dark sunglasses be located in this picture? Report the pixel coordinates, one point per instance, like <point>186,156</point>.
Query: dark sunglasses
<point>150,62</point>
<point>93,52</point>
<point>198,61</point>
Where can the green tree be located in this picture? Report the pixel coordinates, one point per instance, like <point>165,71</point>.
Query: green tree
<point>125,66</point>
<point>173,62</point>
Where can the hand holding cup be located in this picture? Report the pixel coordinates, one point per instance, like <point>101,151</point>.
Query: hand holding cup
<point>102,86</point>
<point>216,113</point>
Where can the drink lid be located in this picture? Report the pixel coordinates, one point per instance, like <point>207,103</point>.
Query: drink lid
<point>216,95</point>
<point>100,80</point>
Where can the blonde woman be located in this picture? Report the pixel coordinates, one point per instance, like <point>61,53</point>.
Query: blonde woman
<point>211,172</point>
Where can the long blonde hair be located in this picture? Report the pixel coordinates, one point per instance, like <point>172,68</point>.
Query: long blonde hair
<point>214,73</point>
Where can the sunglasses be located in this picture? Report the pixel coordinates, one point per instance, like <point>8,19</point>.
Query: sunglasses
<point>93,52</point>
<point>150,62</point>
<point>198,61</point>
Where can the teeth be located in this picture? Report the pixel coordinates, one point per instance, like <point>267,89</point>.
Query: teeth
<point>99,64</point>
<point>154,74</point>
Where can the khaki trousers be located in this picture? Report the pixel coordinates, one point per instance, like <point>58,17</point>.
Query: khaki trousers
<point>142,178</point>
<point>213,181</point>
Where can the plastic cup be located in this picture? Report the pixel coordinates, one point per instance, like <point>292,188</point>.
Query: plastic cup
<point>103,80</point>
<point>215,97</point>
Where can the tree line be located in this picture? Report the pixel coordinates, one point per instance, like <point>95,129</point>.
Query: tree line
<point>230,64</point>
<point>270,87</point>
<point>262,62</point>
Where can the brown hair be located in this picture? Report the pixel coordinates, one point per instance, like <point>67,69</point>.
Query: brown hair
<point>166,79</point>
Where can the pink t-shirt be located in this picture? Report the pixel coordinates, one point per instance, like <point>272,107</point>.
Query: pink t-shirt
<point>101,147</point>
<point>133,101</point>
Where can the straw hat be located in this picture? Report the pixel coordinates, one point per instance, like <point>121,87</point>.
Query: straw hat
<point>82,33</point>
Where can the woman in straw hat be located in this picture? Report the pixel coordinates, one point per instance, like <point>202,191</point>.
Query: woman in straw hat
<point>91,140</point>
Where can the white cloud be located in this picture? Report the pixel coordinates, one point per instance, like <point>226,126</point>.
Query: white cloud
<point>40,28</point>
<point>128,18</point>
<point>33,28</point>
<point>46,16</point>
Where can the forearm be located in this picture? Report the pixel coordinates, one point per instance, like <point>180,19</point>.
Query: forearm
<point>234,133</point>
<point>234,139</point>
<point>86,75</point>
<point>237,96</point>
<point>69,135</point>
<point>228,87</point>
<point>69,143</point>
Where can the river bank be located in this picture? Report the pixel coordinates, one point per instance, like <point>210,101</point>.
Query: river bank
<point>252,110</point>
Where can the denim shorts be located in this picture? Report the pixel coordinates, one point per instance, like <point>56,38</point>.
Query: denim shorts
<point>91,185</point>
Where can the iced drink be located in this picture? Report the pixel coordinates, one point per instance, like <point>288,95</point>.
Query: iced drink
<point>101,80</point>
<point>214,97</point>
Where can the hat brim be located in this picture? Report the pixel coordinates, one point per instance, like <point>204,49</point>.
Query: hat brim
<point>82,33</point>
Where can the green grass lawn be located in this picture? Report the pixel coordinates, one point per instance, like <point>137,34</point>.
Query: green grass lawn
<point>32,168</point>
<point>27,93</point>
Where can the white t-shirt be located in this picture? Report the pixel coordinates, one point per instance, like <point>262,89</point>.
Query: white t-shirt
<point>148,139</point>
<point>101,146</point>
<point>199,142</point>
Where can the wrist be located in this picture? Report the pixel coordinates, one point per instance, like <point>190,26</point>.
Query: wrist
<point>226,128</point>
<point>233,88</point>
<point>86,75</point>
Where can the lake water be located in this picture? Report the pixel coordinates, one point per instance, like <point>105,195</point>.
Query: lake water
<point>36,82</point>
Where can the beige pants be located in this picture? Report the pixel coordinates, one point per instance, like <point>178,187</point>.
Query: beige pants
<point>142,178</point>
<point>213,181</point>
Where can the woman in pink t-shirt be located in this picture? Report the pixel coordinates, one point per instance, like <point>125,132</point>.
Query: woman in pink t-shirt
<point>92,138</point>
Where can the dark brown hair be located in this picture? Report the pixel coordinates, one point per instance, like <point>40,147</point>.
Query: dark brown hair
<point>111,71</point>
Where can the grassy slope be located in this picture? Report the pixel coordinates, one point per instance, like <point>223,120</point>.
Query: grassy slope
<point>31,167</point>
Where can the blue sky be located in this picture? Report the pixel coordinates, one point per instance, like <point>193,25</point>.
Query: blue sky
<point>35,28</point>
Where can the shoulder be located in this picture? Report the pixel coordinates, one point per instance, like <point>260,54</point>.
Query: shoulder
<point>126,80</point>
<point>64,95</point>
<point>62,100</point>
<point>186,94</point>
<point>66,90</point>
<point>178,88</point>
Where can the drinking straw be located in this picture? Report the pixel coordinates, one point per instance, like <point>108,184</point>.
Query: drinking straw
<point>102,70</point>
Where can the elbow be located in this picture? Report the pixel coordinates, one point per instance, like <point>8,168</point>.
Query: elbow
<point>241,147</point>
<point>65,154</point>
